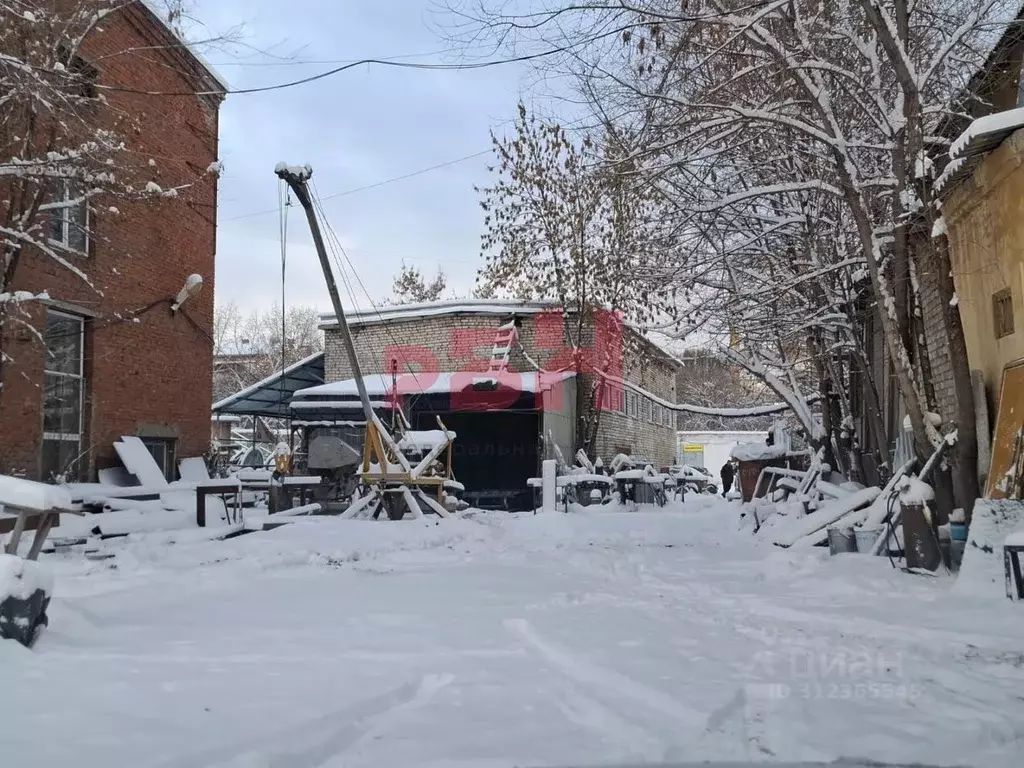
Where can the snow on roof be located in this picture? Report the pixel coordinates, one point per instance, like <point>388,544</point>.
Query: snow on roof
<point>200,59</point>
<point>986,133</point>
<point>757,452</point>
<point>983,135</point>
<point>435,308</point>
<point>228,418</point>
<point>379,385</point>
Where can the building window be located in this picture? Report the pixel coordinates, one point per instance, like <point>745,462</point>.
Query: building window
<point>63,384</point>
<point>631,404</point>
<point>69,221</point>
<point>163,451</point>
<point>1002,312</point>
<point>646,414</point>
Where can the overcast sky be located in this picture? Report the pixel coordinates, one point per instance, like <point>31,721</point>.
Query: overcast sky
<point>356,128</point>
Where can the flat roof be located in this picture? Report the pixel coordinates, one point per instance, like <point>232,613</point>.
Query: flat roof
<point>439,308</point>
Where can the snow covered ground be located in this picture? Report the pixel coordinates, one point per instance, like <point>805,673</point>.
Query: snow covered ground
<point>499,640</point>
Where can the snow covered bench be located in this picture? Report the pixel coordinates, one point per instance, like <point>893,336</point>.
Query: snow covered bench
<point>29,501</point>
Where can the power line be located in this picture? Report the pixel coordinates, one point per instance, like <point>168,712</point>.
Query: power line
<point>376,184</point>
<point>380,62</point>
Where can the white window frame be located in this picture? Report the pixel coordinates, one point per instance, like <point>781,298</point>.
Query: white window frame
<point>79,376</point>
<point>65,240</point>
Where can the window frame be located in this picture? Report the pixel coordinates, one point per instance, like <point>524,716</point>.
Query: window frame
<point>1003,320</point>
<point>79,376</point>
<point>64,214</point>
<point>170,447</point>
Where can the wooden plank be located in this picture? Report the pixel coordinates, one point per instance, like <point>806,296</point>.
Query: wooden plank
<point>790,532</point>
<point>1011,405</point>
<point>41,533</point>
<point>194,470</point>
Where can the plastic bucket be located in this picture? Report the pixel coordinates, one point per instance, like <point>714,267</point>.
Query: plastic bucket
<point>841,540</point>
<point>958,532</point>
<point>866,538</point>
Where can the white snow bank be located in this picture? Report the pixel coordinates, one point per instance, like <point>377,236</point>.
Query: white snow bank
<point>664,637</point>
<point>757,452</point>
<point>20,578</point>
<point>981,571</point>
<point>28,494</point>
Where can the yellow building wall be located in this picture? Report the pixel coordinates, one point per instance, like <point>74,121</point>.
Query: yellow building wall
<point>984,218</point>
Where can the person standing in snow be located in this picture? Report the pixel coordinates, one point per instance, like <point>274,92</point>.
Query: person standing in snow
<point>727,475</point>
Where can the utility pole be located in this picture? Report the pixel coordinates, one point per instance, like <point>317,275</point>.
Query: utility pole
<point>296,178</point>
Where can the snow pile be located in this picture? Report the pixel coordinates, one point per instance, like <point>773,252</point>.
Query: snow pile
<point>300,172</point>
<point>982,571</point>
<point>757,452</point>
<point>913,490</point>
<point>592,638</point>
<point>28,494</point>
<point>19,578</point>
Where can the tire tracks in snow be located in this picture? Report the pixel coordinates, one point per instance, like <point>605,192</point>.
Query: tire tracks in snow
<point>605,680</point>
<point>321,739</point>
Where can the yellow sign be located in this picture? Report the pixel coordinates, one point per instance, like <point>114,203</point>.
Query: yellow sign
<point>693,448</point>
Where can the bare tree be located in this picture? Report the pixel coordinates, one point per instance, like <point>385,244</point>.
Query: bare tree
<point>410,286</point>
<point>566,223</point>
<point>808,130</point>
<point>248,347</point>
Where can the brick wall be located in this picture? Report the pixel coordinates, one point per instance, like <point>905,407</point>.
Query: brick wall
<point>463,342</point>
<point>153,376</point>
<point>938,347</point>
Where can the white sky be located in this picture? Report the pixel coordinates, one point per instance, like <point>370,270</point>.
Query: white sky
<point>355,128</point>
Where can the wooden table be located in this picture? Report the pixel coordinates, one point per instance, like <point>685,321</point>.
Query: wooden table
<point>47,517</point>
<point>235,486</point>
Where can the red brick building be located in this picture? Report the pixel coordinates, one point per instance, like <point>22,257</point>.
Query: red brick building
<point>99,367</point>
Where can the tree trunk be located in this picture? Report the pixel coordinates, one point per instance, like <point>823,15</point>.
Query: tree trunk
<point>965,454</point>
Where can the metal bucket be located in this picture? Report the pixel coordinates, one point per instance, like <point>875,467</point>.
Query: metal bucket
<point>841,540</point>
<point>866,538</point>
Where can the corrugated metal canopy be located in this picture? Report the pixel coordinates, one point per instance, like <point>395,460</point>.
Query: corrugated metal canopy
<point>271,396</point>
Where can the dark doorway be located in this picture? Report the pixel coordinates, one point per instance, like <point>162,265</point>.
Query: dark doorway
<point>495,452</point>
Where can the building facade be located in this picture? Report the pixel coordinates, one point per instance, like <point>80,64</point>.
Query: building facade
<point>105,356</point>
<point>636,412</point>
